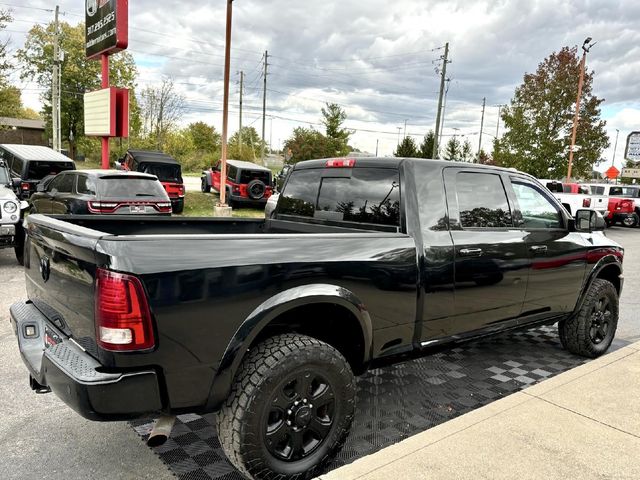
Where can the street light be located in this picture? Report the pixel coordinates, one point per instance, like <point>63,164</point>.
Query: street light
<point>586,46</point>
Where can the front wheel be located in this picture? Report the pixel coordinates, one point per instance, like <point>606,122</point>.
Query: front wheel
<point>290,409</point>
<point>590,332</point>
<point>204,185</point>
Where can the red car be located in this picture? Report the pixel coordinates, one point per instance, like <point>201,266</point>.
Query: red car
<point>247,183</point>
<point>163,166</point>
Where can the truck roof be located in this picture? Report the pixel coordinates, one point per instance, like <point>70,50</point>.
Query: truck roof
<point>35,152</point>
<point>152,156</point>
<point>246,165</point>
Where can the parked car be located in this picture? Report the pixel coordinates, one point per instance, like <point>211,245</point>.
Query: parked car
<point>32,163</point>
<point>163,166</point>
<point>11,213</point>
<point>247,183</point>
<point>266,321</point>
<point>573,197</point>
<point>282,176</point>
<point>105,192</point>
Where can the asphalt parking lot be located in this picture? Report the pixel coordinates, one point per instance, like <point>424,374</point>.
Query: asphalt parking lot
<point>42,438</point>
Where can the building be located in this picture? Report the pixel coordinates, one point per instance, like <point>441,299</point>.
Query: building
<point>22,131</point>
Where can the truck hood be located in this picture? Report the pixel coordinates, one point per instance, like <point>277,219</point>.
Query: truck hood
<point>6,193</point>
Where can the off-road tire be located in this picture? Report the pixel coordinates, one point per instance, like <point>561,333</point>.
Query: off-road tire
<point>204,185</point>
<point>575,332</point>
<point>178,207</point>
<point>241,418</point>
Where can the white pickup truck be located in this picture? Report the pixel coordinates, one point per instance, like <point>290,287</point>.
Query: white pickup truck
<point>574,196</point>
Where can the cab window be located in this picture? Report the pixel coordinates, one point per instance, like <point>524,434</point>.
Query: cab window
<point>536,209</point>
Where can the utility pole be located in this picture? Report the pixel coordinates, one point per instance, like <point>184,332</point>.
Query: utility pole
<point>500,105</point>
<point>399,128</point>
<point>443,76</point>
<point>615,147</point>
<point>484,102</point>
<point>240,129</point>
<point>444,108</point>
<point>55,87</point>
<point>586,46</point>
<point>225,109</point>
<point>404,135</point>
<point>264,103</point>
<point>377,140</point>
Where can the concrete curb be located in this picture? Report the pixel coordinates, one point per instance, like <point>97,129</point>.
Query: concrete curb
<point>415,445</point>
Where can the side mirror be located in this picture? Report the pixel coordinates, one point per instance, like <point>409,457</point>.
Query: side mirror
<point>15,182</point>
<point>589,221</point>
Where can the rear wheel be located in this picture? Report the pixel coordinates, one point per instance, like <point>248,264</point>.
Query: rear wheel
<point>630,220</point>
<point>204,185</point>
<point>290,409</point>
<point>591,331</point>
<point>178,206</point>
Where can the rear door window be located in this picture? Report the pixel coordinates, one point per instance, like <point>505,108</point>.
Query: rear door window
<point>63,183</point>
<point>86,185</point>
<point>367,196</point>
<point>129,187</point>
<point>37,169</point>
<point>482,201</point>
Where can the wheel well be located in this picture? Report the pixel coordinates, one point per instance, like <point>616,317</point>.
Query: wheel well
<point>328,322</point>
<point>612,274</point>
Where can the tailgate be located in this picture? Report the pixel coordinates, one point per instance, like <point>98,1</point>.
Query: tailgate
<point>60,266</point>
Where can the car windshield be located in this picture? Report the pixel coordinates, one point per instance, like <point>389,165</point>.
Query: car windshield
<point>5,179</point>
<point>40,169</point>
<point>165,172</point>
<point>129,187</point>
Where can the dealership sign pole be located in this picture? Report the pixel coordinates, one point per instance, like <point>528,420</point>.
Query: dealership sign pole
<point>106,111</point>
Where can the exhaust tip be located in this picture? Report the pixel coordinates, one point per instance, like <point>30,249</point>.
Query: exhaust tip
<point>161,430</point>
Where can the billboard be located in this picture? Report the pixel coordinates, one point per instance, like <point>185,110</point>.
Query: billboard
<point>100,113</point>
<point>632,151</point>
<point>107,24</point>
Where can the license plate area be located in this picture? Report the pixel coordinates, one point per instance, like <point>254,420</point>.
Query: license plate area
<point>138,209</point>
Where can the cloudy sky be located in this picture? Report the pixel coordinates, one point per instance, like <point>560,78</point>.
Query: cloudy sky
<point>376,58</point>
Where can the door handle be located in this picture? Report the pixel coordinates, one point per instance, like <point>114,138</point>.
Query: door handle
<point>471,252</point>
<point>538,248</point>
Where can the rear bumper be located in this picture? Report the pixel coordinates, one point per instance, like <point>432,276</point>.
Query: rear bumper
<point>76,377</point>
<point>241,199</point>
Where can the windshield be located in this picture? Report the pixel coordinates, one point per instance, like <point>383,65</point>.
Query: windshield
<point>40,169</point>
<point>5,179</point>
<point>130,187</point>
<point>164,171</point>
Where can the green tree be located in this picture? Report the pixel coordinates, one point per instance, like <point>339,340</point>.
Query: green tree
<point>452,150</point>
<point>205,138</point>
<point>307,144</point>
<point>5,65</point>
<point>466,154</point>
<point>79,75</point>
<point>484,158</point>
<point>333,118</point>
<point>249,150</point>
<point>407,148</point>
<point>540,116</point>
<point>426,147</point>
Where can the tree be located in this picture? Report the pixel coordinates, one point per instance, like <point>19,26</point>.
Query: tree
<point>466,154</point>
<point>333,118</point>
<point>452,150</point>
<point>250,148</point>
<point>10,102</point>
<point>407,148</point>
<point>307,144</point>
<point>162,107</point>
<point>205,137</point>
<point>5,65</point>
<point>426,147</point>
<point>79,75</point>
<point>484,158</point>
<point>540,116</point>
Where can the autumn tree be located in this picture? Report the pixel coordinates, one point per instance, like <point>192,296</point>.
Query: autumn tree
<point>426,147</point>
<point>407,148</point>
<point>333,116</point>
<point>79,75</point>
<point>540,116</point>
<point>452,150</point>
<point>162,107</point>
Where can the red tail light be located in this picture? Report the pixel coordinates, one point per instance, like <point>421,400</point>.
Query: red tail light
<point>236,189</point>
<point>181,190</point>
<point>102,207</point>
<point>25,186</point>
<point>341,163</point>
<point>164,207</point>
<point>586,203</point>
<point>123,319</point>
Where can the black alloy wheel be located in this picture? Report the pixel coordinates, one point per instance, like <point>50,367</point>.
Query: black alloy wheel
<point>600,320</point>
<point>300,417</point>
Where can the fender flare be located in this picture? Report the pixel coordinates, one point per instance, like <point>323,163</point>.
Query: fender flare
<point>275,306</point>
<point>206,174</point>
<point>603,263</point>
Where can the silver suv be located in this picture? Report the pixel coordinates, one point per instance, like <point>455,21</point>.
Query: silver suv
<point>11,214</point>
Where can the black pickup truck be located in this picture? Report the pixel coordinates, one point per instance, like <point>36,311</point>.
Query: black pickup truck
<point>266,322</point>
